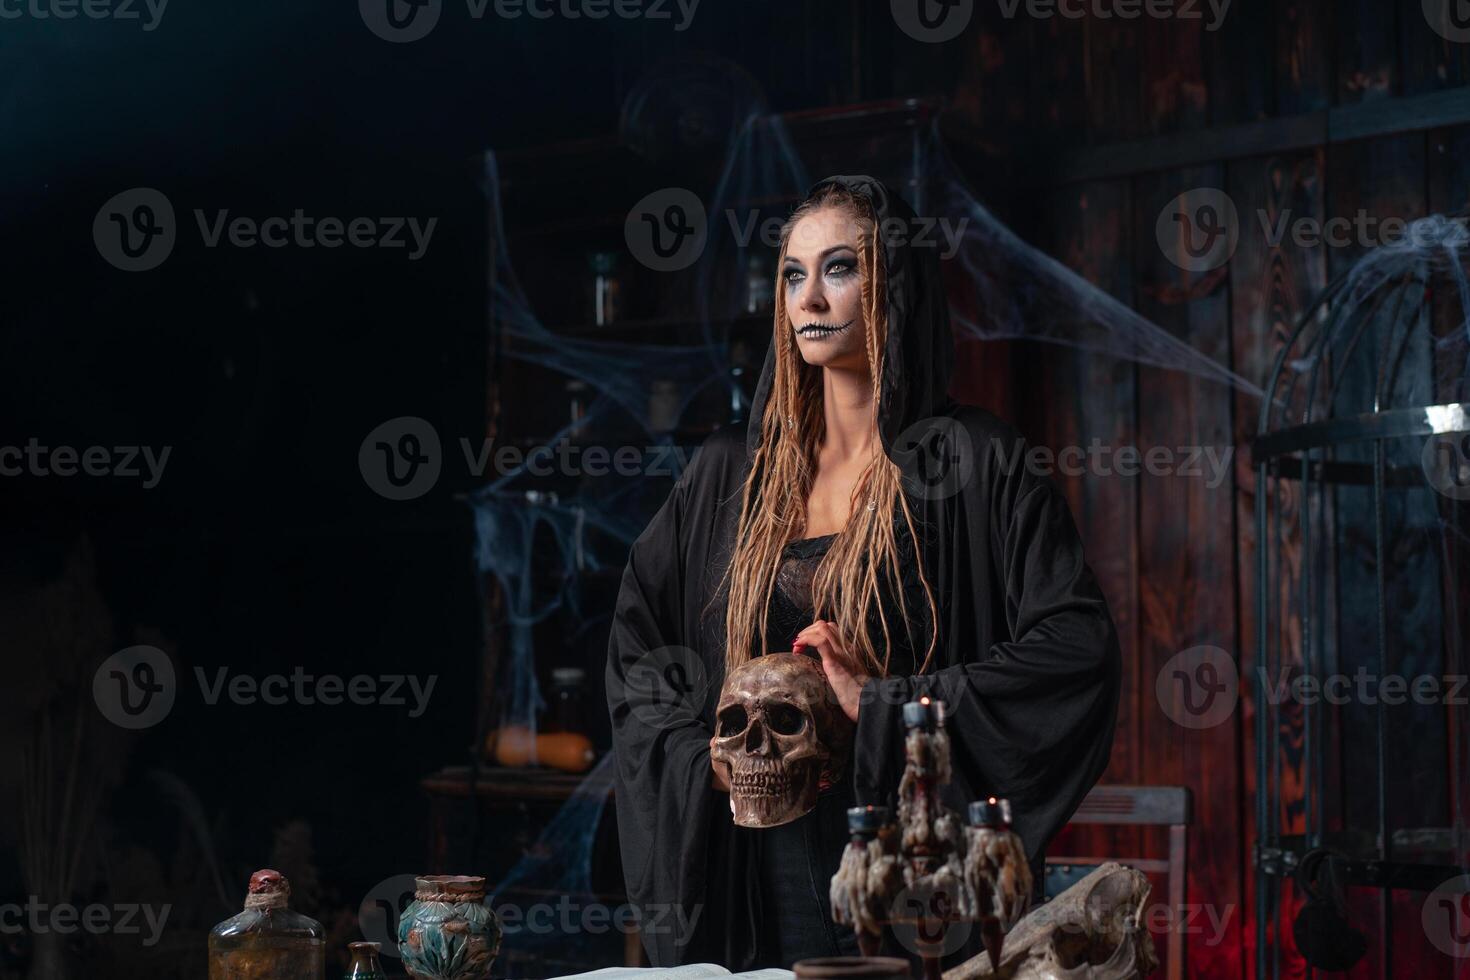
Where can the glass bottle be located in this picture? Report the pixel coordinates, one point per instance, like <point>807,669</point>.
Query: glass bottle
<point>577,403</point>
<point>759,289</point>
<point>364,965</point>
<point>663,406</point>
<point>267,941</point>
<point>606,288</point>
<point>739,365</point>
<point>566,700</point>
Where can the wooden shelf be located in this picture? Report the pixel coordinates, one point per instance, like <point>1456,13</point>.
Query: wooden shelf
<point>635,327</point>
<point>684,435</point>
<point>531,784</point>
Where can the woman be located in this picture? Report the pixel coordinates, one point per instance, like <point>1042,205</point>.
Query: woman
<point>865,516</point>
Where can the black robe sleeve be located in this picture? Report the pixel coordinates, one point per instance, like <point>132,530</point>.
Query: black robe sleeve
<point>660,674</point>
<point>1029,663</point>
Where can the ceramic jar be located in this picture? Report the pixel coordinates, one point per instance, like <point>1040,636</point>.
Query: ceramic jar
<point>448,932</point>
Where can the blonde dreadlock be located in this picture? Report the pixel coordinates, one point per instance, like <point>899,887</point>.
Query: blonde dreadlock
<point>865,553</point>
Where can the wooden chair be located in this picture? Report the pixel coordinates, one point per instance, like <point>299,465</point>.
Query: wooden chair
<point>1139,806</point>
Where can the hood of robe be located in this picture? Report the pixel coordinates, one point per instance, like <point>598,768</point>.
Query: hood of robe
<point>919,354</point>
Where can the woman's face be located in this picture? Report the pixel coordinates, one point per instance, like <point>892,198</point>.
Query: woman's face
<point>824,289</point>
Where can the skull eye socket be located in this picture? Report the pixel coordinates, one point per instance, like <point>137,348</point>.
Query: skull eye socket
<point>732,721</point>
<point>784,719</point>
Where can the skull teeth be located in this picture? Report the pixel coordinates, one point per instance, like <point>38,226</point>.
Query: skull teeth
<point>760,783</point>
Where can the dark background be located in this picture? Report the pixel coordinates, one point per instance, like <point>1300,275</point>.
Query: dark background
<point>263,549</point>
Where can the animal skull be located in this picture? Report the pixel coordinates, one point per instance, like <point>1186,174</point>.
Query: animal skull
<point>780,732</point>
<point>1091,931</point>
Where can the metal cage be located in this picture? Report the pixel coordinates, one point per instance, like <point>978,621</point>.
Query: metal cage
<point>1362,576</point>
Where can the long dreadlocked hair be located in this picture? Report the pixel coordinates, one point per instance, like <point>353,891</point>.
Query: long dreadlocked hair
<point>864,556</point>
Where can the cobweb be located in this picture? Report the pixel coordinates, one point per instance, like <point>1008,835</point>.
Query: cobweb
<point>538,541</point>
<point>1001,288</point>
<point>1397,322</point>
<point>1014,291</point>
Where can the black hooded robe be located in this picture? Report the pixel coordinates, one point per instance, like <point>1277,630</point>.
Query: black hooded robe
<point>1027,660</point>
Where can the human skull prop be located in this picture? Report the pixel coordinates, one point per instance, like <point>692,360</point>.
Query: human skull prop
<point>780,732</point>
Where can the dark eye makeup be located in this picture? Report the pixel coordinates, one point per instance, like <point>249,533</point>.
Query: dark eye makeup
<point>837,265</point>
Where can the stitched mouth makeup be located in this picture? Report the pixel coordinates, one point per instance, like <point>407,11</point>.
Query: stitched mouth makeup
<point>821,331</point>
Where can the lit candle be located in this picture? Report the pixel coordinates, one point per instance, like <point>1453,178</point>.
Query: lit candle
<point>992,812</point>
<point>924,713</point>
<point>866,821</point>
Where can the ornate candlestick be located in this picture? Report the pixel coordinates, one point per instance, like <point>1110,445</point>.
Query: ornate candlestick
<point>865,856</point>
<point>996,866</point>
<point>928,871</point>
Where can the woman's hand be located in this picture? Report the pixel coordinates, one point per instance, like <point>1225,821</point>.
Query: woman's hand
<point>843,673</point>
<point>720,775</point>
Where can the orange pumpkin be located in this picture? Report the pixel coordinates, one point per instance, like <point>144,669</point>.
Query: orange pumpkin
<point>513,746</point>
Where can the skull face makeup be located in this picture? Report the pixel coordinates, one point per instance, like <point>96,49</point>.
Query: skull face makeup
<point>779,730</point>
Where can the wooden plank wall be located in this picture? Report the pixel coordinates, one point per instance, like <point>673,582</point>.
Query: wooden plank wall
<point>1176,557</point>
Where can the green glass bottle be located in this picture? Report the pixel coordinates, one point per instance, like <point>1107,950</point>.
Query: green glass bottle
<point>365,965</point>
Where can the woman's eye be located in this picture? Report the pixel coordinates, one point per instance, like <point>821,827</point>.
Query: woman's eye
<point>792,275</point>
<point>839,268</point>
